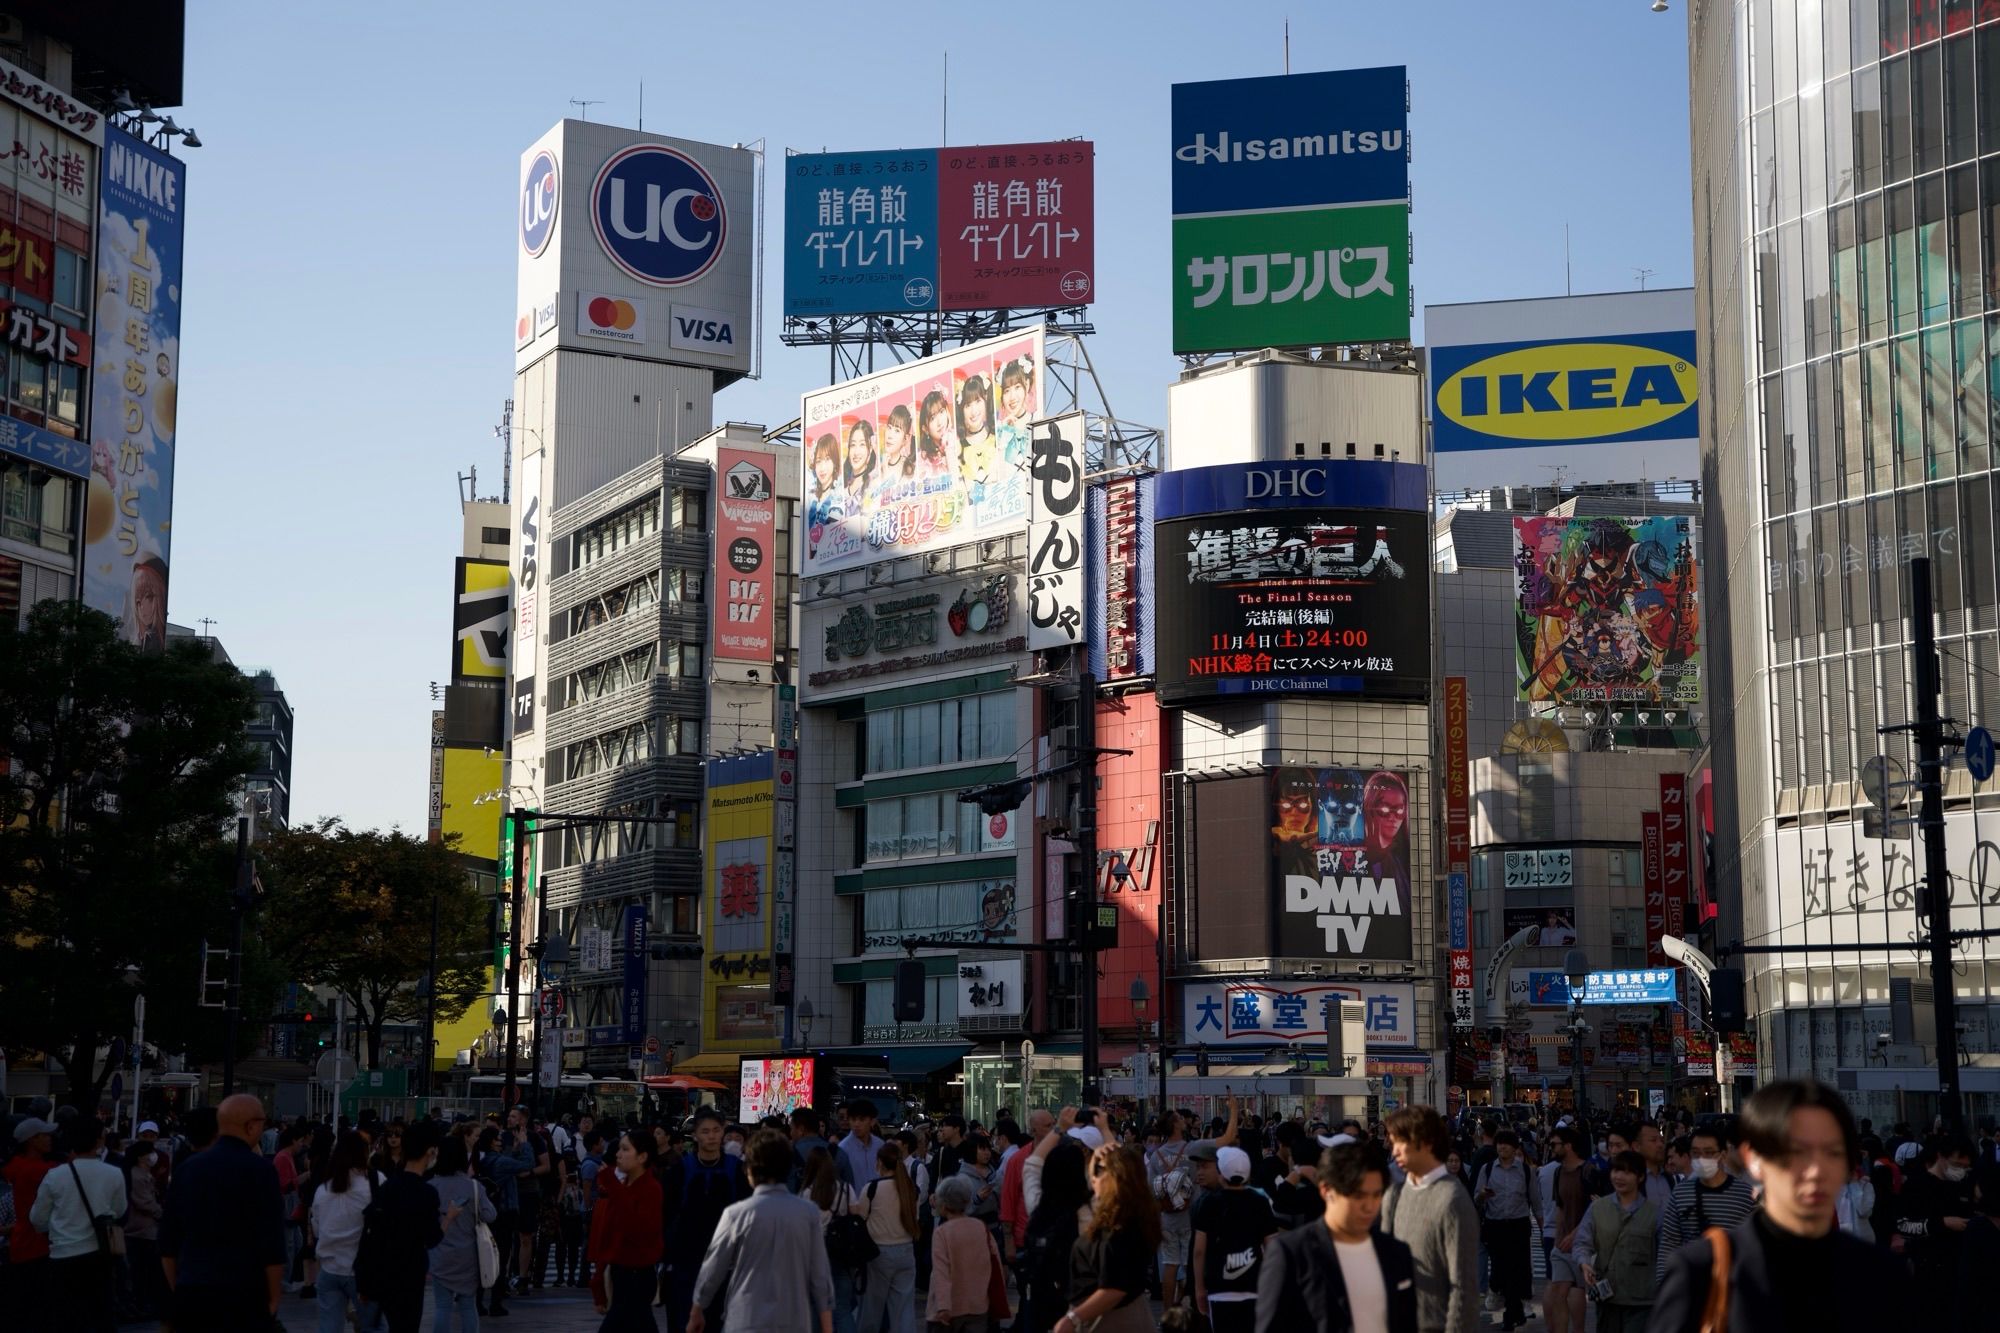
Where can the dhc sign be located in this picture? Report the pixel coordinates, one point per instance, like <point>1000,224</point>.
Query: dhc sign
<point>1599,390</point>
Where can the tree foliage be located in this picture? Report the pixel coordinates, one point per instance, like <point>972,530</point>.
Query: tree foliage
<point>121,769</point>
<point>351,911</point>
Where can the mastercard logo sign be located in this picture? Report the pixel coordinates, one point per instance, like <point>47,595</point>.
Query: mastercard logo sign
<point>606,313</point>
<point>602,315</point>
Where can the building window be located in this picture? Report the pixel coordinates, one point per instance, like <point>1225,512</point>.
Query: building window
<point>878,1011</point>
<point>1537,806</point>
<point>1628,937</point>
<point>1622,867</point>
<point>908,828</point>
<point>690,510</point>
<point>1479,926</point>
<point>642,594</point>
<point>601,681</point>
<point>37,507</point>
<point>615,532</point>
<point>687,914</point>
<point>949,731</point>
<point>493,536</point>
<point>964,911</point>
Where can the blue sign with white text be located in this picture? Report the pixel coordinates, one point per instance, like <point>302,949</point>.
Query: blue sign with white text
<point>56,452</point>
<point>1651,985</point>
<point>861,232</point>
<point>1291,141</point>
<point>1290,484</point>
<point>633,1008</point>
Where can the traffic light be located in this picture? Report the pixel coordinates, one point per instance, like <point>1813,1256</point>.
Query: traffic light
<point>910,986</point>
<point>1001,797</point>
<point>307,1019</point>
<point>1201,1060</point>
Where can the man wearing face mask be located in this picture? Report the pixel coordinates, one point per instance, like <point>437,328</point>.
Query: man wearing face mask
<point>1935,1207</point>
<point>1711,1197</point>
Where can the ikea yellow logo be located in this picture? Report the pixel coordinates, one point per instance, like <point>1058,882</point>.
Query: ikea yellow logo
<point>1570,391</point>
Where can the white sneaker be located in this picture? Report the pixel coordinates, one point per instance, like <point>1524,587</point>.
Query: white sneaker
<point>1494,1301</point>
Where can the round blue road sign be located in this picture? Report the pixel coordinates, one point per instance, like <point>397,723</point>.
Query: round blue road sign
<point>1979,753</point>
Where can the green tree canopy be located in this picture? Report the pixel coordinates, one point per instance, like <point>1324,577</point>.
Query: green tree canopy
<point>351,911</point>
<point>122,768</point>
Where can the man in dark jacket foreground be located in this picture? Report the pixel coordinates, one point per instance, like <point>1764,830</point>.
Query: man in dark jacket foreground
<point>1790,1266</point>
<point>1339,1275</point>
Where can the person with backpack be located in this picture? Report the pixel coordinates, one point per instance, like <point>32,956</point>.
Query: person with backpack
<point>1171,1173</point>
<point>626,1236</point>
<point>1508,1193</point>
<point>454,1264</point>
<point>1057,1189</point>
<point>1231,1229</point>
<point>694,1191</point>
<point>889,1203</point>
<point>398,1228</point>
<point>848,1247</point>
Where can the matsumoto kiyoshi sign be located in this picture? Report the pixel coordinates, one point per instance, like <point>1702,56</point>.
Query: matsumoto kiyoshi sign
<point>1291,210</point>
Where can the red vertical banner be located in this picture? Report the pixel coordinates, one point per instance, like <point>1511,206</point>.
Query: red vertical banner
<point>1457,847</point>
<point>746,511</point>
<point>1674,876</point>
<point>1656,889</point>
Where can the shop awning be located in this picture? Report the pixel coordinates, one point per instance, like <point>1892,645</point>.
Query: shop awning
<point>914,1061</point>
<point>714,1064</point>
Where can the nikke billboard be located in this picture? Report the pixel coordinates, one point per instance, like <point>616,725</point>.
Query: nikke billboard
<point>1606,610</point>
<point>1286,578</point>
<point>1604,387</point>
<point>637,244</point>
<point>996,226</point>
<point>1291,210</point>
<point>746,511</point>
<point>1340,847</point>
<point>925,455</point>
<point>134,396</point>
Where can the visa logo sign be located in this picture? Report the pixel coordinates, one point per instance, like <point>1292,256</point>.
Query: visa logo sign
<point>697,329</point>
<point>1565,392</point>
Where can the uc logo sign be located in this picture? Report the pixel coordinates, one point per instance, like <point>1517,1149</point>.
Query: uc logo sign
<point>658,214</point>
<point>1569,391</point>
<point>540,194</point>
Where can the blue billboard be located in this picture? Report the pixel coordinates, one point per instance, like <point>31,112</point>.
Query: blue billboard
<point>1649,985</point>
<point>1596,389</point>
<point>861,232</point>
<point>1291,141</point>
<point>632,1004</point>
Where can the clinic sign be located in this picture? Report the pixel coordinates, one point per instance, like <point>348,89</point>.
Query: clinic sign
<point>637,245</point>
<point>999,226</point>
<point>1291,210</point>
<point>1247,1013</point>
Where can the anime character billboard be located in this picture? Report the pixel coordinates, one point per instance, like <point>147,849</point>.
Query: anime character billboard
<point>1606,611</point>
<point>1341,848</point>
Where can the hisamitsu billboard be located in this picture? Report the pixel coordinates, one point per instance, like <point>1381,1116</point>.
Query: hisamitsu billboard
<point>1291,210</point>
<point>993,227</point>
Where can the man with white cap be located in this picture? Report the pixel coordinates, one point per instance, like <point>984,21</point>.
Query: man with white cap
<point>1231,1228</point>
<point>27,1248</point>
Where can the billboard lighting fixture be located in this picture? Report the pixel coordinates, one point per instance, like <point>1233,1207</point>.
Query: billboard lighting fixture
<point>1659,6</point>
<point>189,139</point>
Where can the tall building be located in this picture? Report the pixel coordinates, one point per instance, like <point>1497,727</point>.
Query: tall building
<point>267,787</point>
<point>637,264</point>
<point>1845,295</point>
<point>91,203</point>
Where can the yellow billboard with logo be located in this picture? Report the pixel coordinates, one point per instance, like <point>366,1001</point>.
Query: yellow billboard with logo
<point>1564,391</point>
<point>468,775</point>
<point>738,1013</point>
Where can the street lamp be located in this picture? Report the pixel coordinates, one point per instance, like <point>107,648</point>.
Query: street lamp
<point>805,1015</point>
<point>1576,965</point>
<point>1142,999</point>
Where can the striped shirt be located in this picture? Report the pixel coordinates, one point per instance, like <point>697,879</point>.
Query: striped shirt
<point>1696,1208</point>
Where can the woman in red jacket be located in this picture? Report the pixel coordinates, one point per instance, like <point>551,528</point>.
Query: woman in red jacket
<point>625,1239</point>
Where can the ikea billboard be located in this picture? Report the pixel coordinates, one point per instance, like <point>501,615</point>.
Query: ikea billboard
<point>1603,388</point>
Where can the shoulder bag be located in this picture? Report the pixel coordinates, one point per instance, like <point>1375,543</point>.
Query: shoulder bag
<point>110,1235</point>
<point>1715,1311</point>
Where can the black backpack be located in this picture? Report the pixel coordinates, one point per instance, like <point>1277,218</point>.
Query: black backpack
<point>1051,1241</point>
<point>375,1258</point>
<point>848,1244</point>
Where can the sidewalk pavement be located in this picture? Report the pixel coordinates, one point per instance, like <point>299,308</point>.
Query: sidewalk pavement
<point>552,1310</point>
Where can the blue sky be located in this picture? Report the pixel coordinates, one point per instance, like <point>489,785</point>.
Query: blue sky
<point>350,257</point>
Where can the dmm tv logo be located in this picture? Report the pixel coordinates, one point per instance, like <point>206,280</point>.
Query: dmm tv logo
<point>541,193</point>
<point>658,214</point>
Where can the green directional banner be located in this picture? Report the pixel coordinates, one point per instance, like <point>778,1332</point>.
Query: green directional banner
<point>1301,277</point>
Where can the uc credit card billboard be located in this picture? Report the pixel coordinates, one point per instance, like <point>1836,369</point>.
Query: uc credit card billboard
<point>1604,387</point>
<point>991,227</point>
<point>1291,210</point>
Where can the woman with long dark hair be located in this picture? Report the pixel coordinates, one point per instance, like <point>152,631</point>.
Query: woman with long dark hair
<point>820,1181</point>
<point>626,1240</point>
<point>889,1202</point>
<point>337,1206</point>
<point>1055,1184</point>
<point>455,1258</point>
<point>1107,1278</point>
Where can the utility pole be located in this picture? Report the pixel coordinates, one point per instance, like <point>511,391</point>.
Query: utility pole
<point>1086,730</point>
<point>431,1006</point>
<point>239,903</point>
<point>517,821</point>
<point>1934,904</point>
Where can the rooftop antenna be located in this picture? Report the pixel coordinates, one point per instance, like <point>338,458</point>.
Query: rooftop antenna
<point>1567,289</point>
<point>945,135</point>
<point>642,104</point>
<point>505,433</point>
<point>1288,44</point>
<point>584,104</point>
<point>1642,274</point>
<point>207,624</point>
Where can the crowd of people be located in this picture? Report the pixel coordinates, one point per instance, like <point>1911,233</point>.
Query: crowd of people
<point>1073,1220</point>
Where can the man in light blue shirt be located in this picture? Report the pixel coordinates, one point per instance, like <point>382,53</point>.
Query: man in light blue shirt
<point>861,1143</point>
<point>767,1260</point>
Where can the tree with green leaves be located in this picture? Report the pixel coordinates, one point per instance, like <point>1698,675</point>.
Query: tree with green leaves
<point>121,772</point>
<point>351,911</point>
